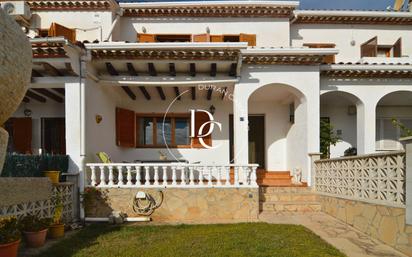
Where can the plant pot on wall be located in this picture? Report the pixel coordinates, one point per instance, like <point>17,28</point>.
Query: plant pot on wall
<point>52,175</point>
<point>35,239</point>
<point>56,231</point>
<point>9,249</point>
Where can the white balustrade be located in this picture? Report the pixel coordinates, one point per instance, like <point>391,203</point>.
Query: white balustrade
<point>170,175</point>
<point>376,178</point>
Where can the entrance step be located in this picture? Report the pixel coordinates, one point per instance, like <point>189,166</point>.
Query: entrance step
<point>275,178</point>
<point>281,200</point>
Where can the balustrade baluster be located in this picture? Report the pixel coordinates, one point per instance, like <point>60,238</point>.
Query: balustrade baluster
<point>111,176</point>
<point>174,176</point>
<point>129,176</point>
<point>191,176</point>
<point>102,176</point>
<point>236,175</point>
<point>93,176</point>
<point>156,175</point>
<point>164,169</point>
<point>227,175</point>
<point>218,176</point>
<point>147,175</point>
<point>120,176</point>
<point>209,177</point>
<point>138,177</point>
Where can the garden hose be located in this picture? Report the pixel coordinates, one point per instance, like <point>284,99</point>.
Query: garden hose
<point>146,206</point>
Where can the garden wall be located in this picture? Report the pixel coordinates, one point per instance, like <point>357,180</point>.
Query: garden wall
<point>24,196</point>
<point>200,205</point>
<point>381,222</point>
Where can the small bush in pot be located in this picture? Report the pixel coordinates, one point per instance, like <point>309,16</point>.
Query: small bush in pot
<point>9,237</point>
<point>56,229</point>
<point>34,230</point>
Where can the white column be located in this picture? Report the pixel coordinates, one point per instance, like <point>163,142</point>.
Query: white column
<point>240,127</point>
<point>73,125</point>
<point>366,127</point>
<point>408,170</point>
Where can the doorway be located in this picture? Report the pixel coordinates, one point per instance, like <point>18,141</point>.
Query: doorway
<point>256,139</point>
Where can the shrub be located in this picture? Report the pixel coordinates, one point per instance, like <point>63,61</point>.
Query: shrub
<point>21,165</point>
<point>33,223</point>
<point>9,230</point>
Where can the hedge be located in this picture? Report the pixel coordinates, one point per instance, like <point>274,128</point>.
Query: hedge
<point>20,165</point>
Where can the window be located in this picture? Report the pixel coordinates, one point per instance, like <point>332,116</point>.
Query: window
<point>371,49</point>
<point>387,135</point>
<point>175,128</point>
<point>150,38</point>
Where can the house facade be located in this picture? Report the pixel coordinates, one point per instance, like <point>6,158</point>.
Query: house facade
<point>212,83</point>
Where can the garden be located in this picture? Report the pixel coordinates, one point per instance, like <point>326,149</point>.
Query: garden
<point>246,239</point>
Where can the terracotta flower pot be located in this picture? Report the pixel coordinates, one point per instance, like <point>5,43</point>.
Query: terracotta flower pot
<point>56,230</point>
<point>52,175</point>
<point>35,239</point>
<point>10,249</point>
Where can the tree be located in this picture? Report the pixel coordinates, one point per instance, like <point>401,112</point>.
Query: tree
<point>327,138</point>
<point>405,131</point>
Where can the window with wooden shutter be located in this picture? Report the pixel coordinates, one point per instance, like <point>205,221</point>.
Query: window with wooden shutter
<point>200,119</point>
<point>397,48</point>
<point>249,38</point>
<point>57,30</point>
<point>125,128</point>
<point>146,38</point>
<point>216,38</point>
<point>370,48</point>
<point>201,38</point>
<point>327,58</point>
<point>22,135</point>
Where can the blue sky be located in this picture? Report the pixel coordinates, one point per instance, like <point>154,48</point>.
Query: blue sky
<point>320,4</point>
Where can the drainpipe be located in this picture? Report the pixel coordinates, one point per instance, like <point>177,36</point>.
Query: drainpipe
<point>82,168</point>
<point>116,20</point>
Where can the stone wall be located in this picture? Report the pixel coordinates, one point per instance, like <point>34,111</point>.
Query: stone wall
<point>381,222</point>
<point>21,190</point>
<point>202,205</point>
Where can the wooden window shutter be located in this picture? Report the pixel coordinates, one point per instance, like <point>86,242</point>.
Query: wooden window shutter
<point>201,38</point>
<point>200,119</point>
<point>370,48</point>
<point>125,128</point>
<point>397,48</point>
<point>249,38</point>
<point>146,38</point>
<point>57,30</point>
<point>22,135</point>
<point>216,38</point>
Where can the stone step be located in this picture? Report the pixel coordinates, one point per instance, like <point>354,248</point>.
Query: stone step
<point>288,197</point>
<point>293,206</point>
<point>275,182</point>
<point>290,189</point>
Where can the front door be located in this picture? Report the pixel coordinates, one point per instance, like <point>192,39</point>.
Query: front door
<point>256,139</point>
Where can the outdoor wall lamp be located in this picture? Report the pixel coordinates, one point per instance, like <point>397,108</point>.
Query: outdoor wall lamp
<point>99,118</point>
<point>27,112</point>
<point>207,30</point>
<point>143,29</point>
<point>212,109</point>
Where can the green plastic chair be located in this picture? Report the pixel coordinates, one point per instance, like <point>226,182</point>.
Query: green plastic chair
<point>104,157</point>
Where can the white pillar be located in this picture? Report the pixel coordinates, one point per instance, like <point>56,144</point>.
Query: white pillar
<point>73,126</point>
<point>366,127</point>
<point>408,170</point>
<point>240,128</point>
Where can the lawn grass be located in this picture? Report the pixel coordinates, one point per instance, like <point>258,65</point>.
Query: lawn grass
<point>247,239</point>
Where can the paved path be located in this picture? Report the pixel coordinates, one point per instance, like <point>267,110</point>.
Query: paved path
<point>342,236</point>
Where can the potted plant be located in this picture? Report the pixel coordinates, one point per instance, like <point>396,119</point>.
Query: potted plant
<point>34,230</point>
<point>56,229</point>
<point>9,237</point>
<point>53,175</point>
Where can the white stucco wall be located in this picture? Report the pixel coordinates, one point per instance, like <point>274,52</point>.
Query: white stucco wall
<point>269,31</point>
<point>342,35</point>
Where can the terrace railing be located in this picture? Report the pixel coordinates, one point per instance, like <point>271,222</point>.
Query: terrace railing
<point>177,175</point>
<point>376,178</point>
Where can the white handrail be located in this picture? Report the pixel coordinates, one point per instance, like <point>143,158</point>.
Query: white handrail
<point>166,175</point>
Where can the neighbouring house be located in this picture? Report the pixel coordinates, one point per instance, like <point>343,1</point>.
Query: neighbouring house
<point>122,78</point>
